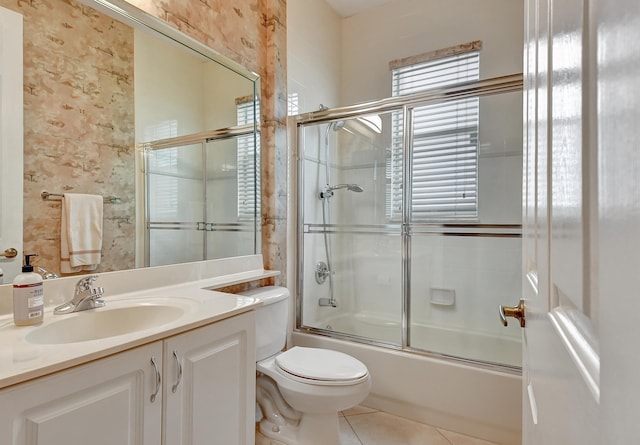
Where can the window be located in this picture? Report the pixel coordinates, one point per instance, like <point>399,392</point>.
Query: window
<point>445,142</point>
<point>164,166</point>
<point>248,161</point>
<point>293,106</point>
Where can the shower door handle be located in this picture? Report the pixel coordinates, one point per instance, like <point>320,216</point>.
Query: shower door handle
<point>512,311</point>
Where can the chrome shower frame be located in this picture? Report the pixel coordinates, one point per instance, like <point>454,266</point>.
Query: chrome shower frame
<point>404,104</point>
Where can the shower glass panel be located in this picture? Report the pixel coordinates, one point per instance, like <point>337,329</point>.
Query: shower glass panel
<point>352,254</point>
<point>409,222</point>
<point>231,199</point>
<point>175,203</point>
<point>202,198</point>
<point>461,275</point>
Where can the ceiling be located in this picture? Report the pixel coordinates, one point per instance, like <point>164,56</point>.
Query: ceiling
<point>348,8</point>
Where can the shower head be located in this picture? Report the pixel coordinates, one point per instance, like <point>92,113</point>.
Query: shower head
<point>327,191</point>
<point>350,187</point>
<point>338,125</point>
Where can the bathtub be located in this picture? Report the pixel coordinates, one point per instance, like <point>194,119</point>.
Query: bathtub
<point>474,400</point>
<point>481,346</point>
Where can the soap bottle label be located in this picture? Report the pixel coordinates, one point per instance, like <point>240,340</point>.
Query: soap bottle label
<point>28,301</point>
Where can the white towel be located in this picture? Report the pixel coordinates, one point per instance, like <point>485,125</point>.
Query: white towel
<point>80,232</point>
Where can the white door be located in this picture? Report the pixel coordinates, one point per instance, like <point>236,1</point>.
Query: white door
<point>582,222</point>
<point>618,74</point>
<point>11,129</point>
<point>561,362</point>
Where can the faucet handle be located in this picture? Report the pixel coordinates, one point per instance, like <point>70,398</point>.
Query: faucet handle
<point>85,282</point>
<point>96,292</point>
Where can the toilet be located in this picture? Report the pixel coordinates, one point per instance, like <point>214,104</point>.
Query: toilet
<point>299,392</point>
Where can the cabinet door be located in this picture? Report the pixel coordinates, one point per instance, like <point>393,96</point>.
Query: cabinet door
<point>106,402</point>
<point>209,388</point>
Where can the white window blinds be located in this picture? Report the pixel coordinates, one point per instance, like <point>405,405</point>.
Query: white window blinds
<point>248,161</point>
<point>163,166</point>
<point>445,142</point>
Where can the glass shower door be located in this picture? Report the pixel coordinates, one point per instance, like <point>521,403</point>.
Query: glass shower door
<point>410,236</point>
<point>352,268</point>
<point>232,198</point>
<point>202,199</point>
<point>464,265</point>
<point>175,203</point>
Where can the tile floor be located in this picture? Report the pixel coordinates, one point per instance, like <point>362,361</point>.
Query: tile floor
<point>366,426</point>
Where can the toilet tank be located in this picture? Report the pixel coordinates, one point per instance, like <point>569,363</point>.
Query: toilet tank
<point>272,319</point>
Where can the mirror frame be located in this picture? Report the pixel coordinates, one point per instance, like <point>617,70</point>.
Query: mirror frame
<point>136,18</point>
<point>127,13</point>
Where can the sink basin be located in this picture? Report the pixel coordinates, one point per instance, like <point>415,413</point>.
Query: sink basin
<point>104,323</point>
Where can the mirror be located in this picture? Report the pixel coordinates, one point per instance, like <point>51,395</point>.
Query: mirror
<point>101,82</point>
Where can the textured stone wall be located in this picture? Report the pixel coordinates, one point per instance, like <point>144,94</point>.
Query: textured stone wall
<point>78,75</point>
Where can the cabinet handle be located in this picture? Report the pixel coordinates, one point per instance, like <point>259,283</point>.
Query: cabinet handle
<point>174,388</point>
<point>158,379</point>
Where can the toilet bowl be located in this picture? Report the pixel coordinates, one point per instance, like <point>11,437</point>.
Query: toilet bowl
<point>300,391</point>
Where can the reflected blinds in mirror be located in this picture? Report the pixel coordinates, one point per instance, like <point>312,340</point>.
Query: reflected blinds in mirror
<point>248,112</point>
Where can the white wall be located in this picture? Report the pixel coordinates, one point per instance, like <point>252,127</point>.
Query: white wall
<point>165,90</point>
<point>404,28</point>
<point>313,53</point>
<point>180,93</point>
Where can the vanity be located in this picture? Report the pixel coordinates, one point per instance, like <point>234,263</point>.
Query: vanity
<point>168,360</point>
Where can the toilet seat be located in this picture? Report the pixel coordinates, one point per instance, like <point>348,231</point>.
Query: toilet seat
<point>321,367</point>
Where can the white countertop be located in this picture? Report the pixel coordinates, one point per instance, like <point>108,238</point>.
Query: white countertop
<point>22,359</point>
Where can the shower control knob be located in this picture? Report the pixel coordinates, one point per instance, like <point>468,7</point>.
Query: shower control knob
<point>512,311</point>
<point>322,272</point>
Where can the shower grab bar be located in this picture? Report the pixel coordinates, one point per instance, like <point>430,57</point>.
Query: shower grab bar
<point>46,196</point>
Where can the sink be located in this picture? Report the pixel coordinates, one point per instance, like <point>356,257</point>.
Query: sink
<point>102,323</point>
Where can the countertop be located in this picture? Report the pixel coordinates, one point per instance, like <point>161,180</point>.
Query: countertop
<point>22,358</point>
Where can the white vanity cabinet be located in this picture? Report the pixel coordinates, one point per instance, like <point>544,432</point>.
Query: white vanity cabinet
<point>105,402</point>
<point>209,384</point>
<point>204,393</point>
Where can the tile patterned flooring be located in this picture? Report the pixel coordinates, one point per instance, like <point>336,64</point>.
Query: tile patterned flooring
<point>366,426</point>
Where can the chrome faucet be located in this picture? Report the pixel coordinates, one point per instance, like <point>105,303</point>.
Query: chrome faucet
<point>86,296</point>
<point>46,273</point>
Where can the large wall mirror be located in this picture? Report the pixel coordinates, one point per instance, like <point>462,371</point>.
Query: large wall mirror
<point>118,104</point>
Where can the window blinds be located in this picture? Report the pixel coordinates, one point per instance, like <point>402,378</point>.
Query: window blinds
<point>248,161</point>
<point>445,142</point>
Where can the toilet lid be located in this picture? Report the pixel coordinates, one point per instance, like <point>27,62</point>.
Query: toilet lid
<point>321,365</point>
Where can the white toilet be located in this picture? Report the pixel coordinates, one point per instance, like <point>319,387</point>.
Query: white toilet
<point>300,391</point>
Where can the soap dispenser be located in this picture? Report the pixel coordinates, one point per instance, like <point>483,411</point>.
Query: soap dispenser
<point>28,296</point>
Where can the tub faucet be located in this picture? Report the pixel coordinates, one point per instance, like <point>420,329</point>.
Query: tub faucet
<point>328,302</point>
<point>86,296</point>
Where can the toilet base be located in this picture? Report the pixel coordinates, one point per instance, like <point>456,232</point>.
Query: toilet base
<point>312,429</point>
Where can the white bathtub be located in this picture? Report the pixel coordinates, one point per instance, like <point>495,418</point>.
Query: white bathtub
<point>480,402</point>
<point>480,346</point>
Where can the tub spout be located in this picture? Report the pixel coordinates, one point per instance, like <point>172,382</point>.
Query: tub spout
<point>328,302</point>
